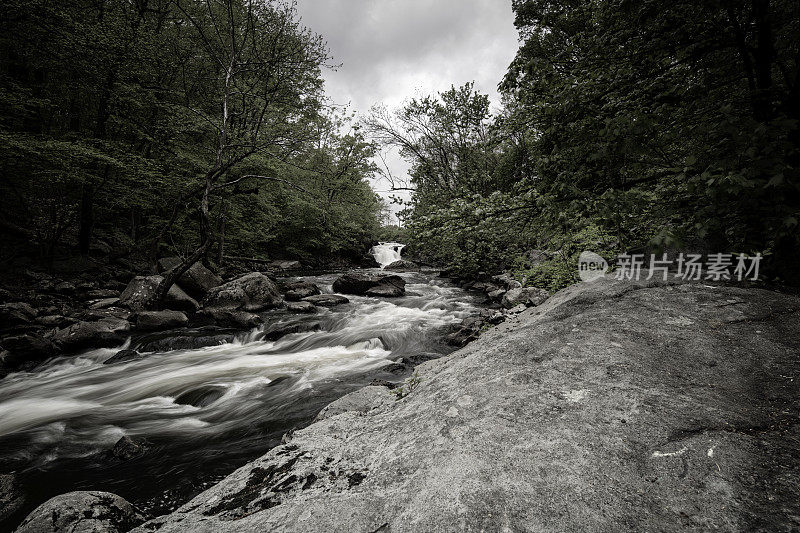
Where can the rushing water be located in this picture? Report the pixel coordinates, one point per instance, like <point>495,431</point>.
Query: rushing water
<point>58,422</point>
<point>386,253</point>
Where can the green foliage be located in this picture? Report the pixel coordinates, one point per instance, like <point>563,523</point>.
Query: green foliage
<point>663,124</point>
<point>114,115</point>
<point>408,385</point>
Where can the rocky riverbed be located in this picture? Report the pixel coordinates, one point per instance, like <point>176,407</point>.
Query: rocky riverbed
<point>613,406</point>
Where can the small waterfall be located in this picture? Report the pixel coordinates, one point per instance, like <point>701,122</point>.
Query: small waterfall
<point>387,253</point>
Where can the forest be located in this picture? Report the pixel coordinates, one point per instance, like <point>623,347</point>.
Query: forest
<point>638,126</point>
<point>161,127</point>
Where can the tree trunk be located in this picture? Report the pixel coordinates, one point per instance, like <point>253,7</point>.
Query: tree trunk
<point>221,233</point>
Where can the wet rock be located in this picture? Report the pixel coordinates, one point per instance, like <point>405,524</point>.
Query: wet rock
<point>127,448</point>
<point>326,300</point>
<point>180,301</point>
<point>285,265</point>
<point>27,347</point>
<point>586,394</point>
<point>123,356</point>
<point>16,313</point>
<point>139,293</point>
<point>385,291</point>
<point>83,512</point>
<point>530,296</point>
<point>100,294</point>
<point>301,289</point>
<point>251,292</point>
<point>301,307</point>
<point>196,281</point>
<point>158,320</point>
<point>104,303</point>
<point>496,296</point>
<point>283,330</point>
<point>65,287</point>
<point>98,334</point>
<point>11,496</point>
<point>54,321</point>
<point>106,312</point>
<point>361,401</point>
<point>200,397</point>
<point>230,318</point>
<point>185,342</point>
<point>402,266</point>
<point>362,283</point>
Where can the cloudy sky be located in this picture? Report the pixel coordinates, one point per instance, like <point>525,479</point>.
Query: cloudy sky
<point>391,50</point>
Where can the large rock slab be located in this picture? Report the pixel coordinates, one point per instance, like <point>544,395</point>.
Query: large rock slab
<point>158,320</point>
<point>252,292</point>
<point>97,334</point>
<point>139,294</point>
<point>298,290</point>
<point>83,512</point>
<point>362,283</point>
<point>196,281</point>
<point>611,407</point>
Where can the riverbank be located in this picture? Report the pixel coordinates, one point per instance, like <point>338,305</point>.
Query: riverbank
<point>612,407</point>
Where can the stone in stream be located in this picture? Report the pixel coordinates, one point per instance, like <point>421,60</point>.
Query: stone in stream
<point>679,418</point>
<point>140,292</point>
<point>300,289</point>
<point>27,347</point>
<point>184,342</point>
<point>83,512</point>
<point>103,333</point>
<point>402,265</point>
<point>284,330</point>
<point>11,496</point>
<point>326,300</point>
<point>127,448</point>
<point>16,313</point>
<point>201,396</point>
<point>158,320</point>
<point>301,307</point>
<point>229,318</point>
<point>196,281</point>
<point>368,284</point>
<point>252,292</point>
<point>123,356</point>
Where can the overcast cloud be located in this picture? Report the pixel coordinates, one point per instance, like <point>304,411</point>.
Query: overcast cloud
<point>391,50</point>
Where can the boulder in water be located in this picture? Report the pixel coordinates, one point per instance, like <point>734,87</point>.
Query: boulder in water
<point>27,347</point>
<point>283,330</point>
<point>251,292</point>
<point>301,307</point>
<point>361,283</point>
<point>157,320</point>
<point>83,512</point>
<point>386,291</point>
<point>127,448</point>
<point>139,294</point>
<point>11,496</point>
<point>196,281</point>
<point>231,318</point>
<point>123,356</point>
<point>326,300</point>
<point>98,334</point>
<point>201,396</point>
<point>402,266</point>
<point>300,289</point>
<point>184,342</point>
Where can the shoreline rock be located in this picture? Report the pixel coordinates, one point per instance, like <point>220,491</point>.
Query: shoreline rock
<point>678,418</point>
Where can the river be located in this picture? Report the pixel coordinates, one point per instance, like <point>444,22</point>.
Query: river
<point>205,412</point>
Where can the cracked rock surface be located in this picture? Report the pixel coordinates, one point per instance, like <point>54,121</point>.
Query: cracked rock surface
<point>613,406</point>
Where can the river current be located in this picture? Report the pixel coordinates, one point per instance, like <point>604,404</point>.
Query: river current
<point>204,412</point>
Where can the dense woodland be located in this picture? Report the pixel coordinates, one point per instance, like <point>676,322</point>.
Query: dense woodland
<point>627,125</point>
<point>175,127</point>
<point>201,128</point>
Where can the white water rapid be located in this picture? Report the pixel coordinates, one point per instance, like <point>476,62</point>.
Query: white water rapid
<point>386,253</point>
<point>204,412</point>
